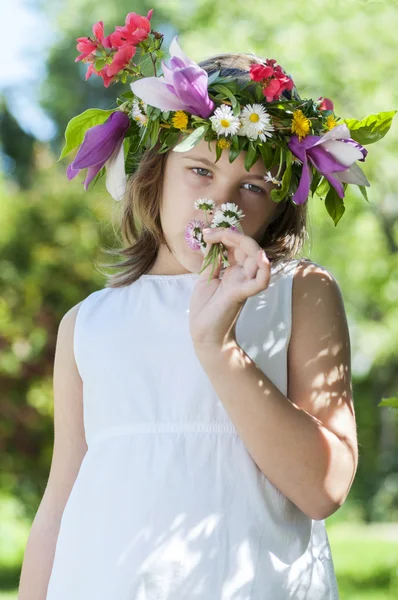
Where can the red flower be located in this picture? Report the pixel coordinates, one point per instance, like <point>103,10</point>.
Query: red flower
<point>136,30</point>
<point>274,81</point>
<point>326,104</point>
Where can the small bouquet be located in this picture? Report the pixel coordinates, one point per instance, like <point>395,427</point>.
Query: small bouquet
<point>229,216</point>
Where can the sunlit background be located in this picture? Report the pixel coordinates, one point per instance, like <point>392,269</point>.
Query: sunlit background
<point>52,232</point>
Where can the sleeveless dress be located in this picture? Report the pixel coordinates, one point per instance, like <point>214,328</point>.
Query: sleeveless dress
<point>168,504</point>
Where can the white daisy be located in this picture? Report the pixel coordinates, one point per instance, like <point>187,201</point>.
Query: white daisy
<point>221,219</point>
<point>232,209</point>
<point>204,204</point>
<point>274,180</point>
<point>256,122</point>
<point>224,121</point>
<point>137,114</point>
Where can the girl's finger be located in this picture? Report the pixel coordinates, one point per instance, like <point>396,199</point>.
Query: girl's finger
<point>229,237</point>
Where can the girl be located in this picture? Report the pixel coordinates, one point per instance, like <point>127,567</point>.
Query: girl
<point>204,423</point>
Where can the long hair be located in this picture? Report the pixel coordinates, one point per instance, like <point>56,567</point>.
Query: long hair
<point>140,225</point>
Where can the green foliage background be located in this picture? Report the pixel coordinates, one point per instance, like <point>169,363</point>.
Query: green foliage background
<point>52,231</point>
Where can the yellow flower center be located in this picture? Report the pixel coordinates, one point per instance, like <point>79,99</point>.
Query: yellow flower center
<point>330,122</point>
<point>301,125</point>
<point>223,143</point>
<point>254,117</point>
<point>180,120</point>
<point>224,123</point>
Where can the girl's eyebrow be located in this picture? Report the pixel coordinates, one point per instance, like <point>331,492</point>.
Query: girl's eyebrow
<point>209,163</point>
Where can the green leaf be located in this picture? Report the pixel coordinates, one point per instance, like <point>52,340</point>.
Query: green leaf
<point>127,95</point>
<point>100,64</point>
<point>212,78</point>
<point>391,402</point>
<point>364,192</point>
<point>77,127</point>
<point>371,129</point>
<point>315,181</point>
<point>154,133</point>
<point>191,141</point>
<point>218,152</point>
<point>322,188</point>
<point>235,142</point>
<point>267,153</point>
<point>278,195</point>
<point>225,91</point>
<point>233,153</point>
<point>251,156</point>
<point>334,205</point>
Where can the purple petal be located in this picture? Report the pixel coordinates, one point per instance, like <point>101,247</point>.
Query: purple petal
<point>324,161</point>
<point>335,183</point>
<point>155,92</point>
<point>190,86</point>
<point>361,148</point>
<point>91,173</point>
<point>301,194</point>
<point>100,141</point>
<point>71,172</point>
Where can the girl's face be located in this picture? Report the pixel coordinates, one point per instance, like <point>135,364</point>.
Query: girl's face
<point>194,174</point>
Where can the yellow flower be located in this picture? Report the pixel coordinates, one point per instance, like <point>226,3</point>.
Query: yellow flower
<point>223,144</point>
<point>330,122</point>
<point>180,119</point>
<point>301,126</point>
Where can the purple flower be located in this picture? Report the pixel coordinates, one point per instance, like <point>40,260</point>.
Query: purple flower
<point>101,143</point>
<point>331,154</point>
<point>183,86</point>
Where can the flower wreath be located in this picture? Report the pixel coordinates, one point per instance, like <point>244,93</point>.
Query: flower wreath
<point>265,117</point>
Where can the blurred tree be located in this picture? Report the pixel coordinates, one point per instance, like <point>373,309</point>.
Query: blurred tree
<point>17,146</point>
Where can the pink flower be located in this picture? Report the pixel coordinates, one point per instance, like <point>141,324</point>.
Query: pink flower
<point>135,30</point>
<point>193,232</point>
<point>87,45</point>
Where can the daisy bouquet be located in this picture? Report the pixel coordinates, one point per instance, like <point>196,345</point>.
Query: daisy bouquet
<point>228,216</point>
<point>177,104</point>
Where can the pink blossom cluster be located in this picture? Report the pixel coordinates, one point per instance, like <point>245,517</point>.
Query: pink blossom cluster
<point>122,44</point>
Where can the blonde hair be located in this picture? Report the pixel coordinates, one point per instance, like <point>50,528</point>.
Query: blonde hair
<point>140,225</point>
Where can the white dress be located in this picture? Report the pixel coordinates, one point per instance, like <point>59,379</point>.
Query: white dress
<point>168,503</point>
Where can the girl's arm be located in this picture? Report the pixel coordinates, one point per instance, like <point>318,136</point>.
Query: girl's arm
<point>306,443</point>
<point>68,452</point>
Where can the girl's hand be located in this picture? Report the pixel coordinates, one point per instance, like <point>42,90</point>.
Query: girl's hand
<point>215,305</point>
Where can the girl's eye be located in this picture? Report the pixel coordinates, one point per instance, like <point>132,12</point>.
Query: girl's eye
<point>259,190</point>
<point>199,169</point>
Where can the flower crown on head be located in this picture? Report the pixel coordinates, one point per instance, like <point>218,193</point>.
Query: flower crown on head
<point>265,117</point>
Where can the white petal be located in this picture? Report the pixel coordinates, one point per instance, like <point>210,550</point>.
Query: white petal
<point>352,175</point>
<point>346,154</point>
<point>176,50</point>
<point>115,174</point>
<point>338,132</point>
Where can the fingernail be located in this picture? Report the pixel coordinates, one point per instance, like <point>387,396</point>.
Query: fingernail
<point>207,230</point>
